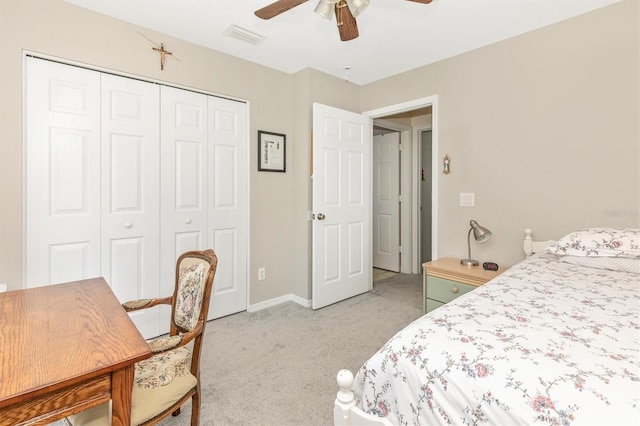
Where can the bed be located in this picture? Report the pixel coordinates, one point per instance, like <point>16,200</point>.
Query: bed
<point>553,340</point>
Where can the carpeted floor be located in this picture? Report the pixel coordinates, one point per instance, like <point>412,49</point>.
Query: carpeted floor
<point>277,367</point>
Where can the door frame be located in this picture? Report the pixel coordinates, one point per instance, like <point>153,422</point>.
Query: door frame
<point>416,196</point>
<point>411,105</point>
<point>405,191</point>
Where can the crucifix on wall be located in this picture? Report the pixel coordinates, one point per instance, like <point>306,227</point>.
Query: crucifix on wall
<point>163,54</point>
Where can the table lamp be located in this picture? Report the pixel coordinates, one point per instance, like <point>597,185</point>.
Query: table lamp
<point>481,234</point>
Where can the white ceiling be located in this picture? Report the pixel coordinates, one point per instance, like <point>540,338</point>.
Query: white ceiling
<point>395,35</point>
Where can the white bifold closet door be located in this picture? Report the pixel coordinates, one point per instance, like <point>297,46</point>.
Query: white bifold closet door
<point>92,182</point>
<point>228,204</point>
<point>122,176</point>
<point>130,189</point>
<point>204,181</point>
<point>184,180</point>
<point>62,173</point>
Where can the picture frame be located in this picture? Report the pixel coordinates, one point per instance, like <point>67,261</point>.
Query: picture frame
<point>272,152</point>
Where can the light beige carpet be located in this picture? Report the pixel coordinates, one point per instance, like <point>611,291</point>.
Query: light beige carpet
<point>277,367</point>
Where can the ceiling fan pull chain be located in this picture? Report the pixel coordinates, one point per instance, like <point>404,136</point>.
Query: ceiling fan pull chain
<point>339,6</point>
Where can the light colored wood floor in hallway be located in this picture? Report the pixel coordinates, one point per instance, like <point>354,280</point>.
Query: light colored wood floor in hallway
<point>380,274</point>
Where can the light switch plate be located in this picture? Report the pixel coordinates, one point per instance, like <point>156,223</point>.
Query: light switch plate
<point>467,199</point>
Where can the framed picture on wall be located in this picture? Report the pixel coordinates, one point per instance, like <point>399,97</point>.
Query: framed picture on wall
<point>272,150</point>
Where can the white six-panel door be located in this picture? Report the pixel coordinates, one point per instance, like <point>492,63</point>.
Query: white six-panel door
<point>62,173</point>
<point>341,205</point>
<point>386,201</point>
<point>130,191</point>
<point>184,180</point>
<point>228,204</point>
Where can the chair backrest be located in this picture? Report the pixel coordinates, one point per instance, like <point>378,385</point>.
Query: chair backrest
<point>195,271</point>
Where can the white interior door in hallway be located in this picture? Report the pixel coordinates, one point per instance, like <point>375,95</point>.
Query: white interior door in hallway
<point>122,175</point>
<point>386,201</point>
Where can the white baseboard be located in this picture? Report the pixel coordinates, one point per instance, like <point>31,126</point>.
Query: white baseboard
<point>279,300</point>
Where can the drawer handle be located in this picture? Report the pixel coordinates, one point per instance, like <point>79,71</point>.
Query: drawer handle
<point>454,289</point>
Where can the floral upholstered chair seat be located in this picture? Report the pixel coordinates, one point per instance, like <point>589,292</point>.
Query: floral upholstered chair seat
<point>159,382</point>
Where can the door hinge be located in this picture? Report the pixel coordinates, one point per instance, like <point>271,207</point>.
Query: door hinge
<point>399,249</point>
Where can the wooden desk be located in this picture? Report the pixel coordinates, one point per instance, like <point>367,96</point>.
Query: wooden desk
<point>65,348</point>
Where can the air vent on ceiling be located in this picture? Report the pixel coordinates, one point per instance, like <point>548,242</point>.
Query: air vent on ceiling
<point>243,34</point>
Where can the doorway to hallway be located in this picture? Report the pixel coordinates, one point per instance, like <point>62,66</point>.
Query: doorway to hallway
<point>413,181</point>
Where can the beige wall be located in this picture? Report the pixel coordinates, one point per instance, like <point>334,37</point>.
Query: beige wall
<point>544,128</point>
<point>55,28</point>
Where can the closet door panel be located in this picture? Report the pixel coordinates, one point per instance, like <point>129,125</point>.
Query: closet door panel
<point>184,177</point>
<point>131,193</point>
<point>61,176</point>
<point>228,208</point>
<point>185,241</point>
<point>126,262</point>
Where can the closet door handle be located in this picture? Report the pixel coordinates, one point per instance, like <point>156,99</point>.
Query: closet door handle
<point>187,221</point>
<point>128,225</point>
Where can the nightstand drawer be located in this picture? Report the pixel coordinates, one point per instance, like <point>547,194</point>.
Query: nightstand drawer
<point>445,291</point>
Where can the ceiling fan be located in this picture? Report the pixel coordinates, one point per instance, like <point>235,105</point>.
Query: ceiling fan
<point>344,10</point>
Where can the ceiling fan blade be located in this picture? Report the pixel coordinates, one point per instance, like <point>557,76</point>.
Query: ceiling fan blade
<point>422,1</point>
<point>347,26</point>
<point>277,7</point>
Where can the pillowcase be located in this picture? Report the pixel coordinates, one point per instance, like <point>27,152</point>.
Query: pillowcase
<point>599,242</point>
<point>623,264</point>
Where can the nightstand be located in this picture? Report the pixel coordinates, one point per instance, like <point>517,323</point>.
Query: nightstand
<point>445,279</point>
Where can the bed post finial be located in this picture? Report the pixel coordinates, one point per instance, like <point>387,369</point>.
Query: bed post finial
<point>344,398</point>
<point>528,242</point>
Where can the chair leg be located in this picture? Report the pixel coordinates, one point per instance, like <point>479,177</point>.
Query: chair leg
<point>195,408</point>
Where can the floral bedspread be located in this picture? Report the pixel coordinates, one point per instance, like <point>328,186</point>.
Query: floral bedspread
<point>546,342</point>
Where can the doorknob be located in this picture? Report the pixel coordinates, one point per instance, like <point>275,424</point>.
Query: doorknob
<point>320,216</point>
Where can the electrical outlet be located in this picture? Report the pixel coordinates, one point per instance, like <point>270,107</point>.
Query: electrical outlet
<point>262,274</point>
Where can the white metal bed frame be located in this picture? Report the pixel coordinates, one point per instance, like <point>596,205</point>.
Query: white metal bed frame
<point>345,412</point>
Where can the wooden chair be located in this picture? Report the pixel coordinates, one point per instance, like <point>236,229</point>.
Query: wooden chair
<point>171,376</point>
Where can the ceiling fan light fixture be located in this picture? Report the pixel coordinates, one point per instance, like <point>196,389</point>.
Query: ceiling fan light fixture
<point>357,6</point>
<point>325,9</point>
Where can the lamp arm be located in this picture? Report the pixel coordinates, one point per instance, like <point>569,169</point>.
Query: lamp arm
<point>469,243</point>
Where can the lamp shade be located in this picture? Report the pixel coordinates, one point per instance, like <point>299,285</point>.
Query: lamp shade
<point>480,234</point>
<point>357,6</point>
<point>325,8</point>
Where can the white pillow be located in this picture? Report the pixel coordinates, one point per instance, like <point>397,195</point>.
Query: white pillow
<point>610,263</point>
<point>599,242</point>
